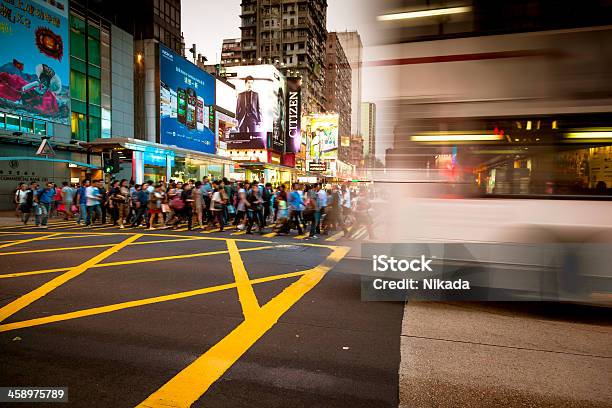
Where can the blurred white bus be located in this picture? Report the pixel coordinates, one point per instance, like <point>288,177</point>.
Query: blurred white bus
<point>503,139</point>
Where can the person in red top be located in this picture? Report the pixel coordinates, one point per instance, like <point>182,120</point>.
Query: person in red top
<point>57,201</point>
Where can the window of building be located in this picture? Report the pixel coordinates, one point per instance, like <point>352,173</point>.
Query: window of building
<point>27,125</point>
<point>77,37</point>
<point>106,123</point>
<point>12,122</point>
<point>77,85</point>
<point>93,46</point>
<point>95,128</point>
<point>78,124</point>
<point>40,128</point>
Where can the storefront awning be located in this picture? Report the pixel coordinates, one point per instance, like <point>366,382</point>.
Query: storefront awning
<point>101,145</point>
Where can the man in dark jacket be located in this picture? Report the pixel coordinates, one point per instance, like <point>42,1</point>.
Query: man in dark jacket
<point>248,111</point>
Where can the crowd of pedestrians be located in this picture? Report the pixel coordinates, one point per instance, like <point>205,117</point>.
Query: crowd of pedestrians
<point>312,209</point>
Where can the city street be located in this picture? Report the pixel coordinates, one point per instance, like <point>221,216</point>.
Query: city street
<point>160,318</point>
<point>123,318</point>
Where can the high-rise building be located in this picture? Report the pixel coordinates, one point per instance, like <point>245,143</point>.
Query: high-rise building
<point>338,89</point>
<point>368,132</point>
<point>291,35</point>
<point>145,19</point>
<point>231,52</point>
<point>353,49</point>
<point>356,151</point>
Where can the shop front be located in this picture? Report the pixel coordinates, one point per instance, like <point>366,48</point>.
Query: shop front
<point>142,161</point>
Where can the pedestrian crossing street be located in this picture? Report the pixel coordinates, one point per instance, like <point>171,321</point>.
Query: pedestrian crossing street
<point>228,231</point>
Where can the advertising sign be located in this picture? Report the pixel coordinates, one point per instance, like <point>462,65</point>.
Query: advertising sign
<point>294,115</point>
<point>225,96</point>
<point>322,130</point>
<point>35,59</point>
<point>317,167</point>
<point>253,140</point>
<point>187,96</point>
<point>260,104</point>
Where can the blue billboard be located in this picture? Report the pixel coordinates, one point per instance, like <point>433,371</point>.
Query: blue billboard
<point>187,96</point>
<point>35,59</point>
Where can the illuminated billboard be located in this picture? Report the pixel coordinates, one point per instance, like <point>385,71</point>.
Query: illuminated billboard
<point>294,115</point>
<point>187,96</point>
<point>322,136</point>
<point>260,105</point>
<point>35,59</point>
<point>225,96</point>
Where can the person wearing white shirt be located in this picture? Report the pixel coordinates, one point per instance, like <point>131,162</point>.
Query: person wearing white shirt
<point>92,193</point>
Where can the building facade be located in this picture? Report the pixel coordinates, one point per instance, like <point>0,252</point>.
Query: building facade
<point>353,49</point>
<point>290,35</point>
<point>338,89</point>
<point>368,132</point>
<point>356,150</point>
<point>95,101</point>
<point>231,51</point>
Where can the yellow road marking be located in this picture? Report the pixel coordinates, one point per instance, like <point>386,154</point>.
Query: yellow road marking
<point>32,226</point>
<point>303,236</point>
<point>71,225</point>
<point>210,231</point>
<point>34,251</point>
<point>25,300</point>
<point>271,235</point>
<point>166,258</point>
<point>71,236</point>
<point>23,241</point>
<point>135,303</point>
<point>239,232</point>
<point>148,234</point>
<point>194,380</point>
<point>134,261</point>
<point>250,305</point>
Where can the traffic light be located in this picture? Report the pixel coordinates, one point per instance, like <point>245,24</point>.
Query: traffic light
<point>112,164</point>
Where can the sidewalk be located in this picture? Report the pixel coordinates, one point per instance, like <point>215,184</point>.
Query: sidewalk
<point>504,355</point>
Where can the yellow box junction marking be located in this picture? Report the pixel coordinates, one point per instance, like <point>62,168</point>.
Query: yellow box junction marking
<point>135,303</point>
<point>28,298</point>
<point>248,300</point>
<point>23,241</point>
<point>193,381</point>
<point>136,261</point>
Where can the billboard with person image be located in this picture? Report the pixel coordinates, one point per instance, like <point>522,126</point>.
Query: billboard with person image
<point>260,107</point>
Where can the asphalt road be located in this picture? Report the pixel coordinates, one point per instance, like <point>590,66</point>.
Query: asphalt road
<point>160,318</point>
<point>291,331</point>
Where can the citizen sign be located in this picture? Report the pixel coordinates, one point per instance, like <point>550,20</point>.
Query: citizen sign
<point>294,116</point>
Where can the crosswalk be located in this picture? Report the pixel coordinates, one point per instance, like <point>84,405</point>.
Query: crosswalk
<point>62,225</point>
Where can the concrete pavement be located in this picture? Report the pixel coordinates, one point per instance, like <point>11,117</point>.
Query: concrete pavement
<point>511,354</point>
